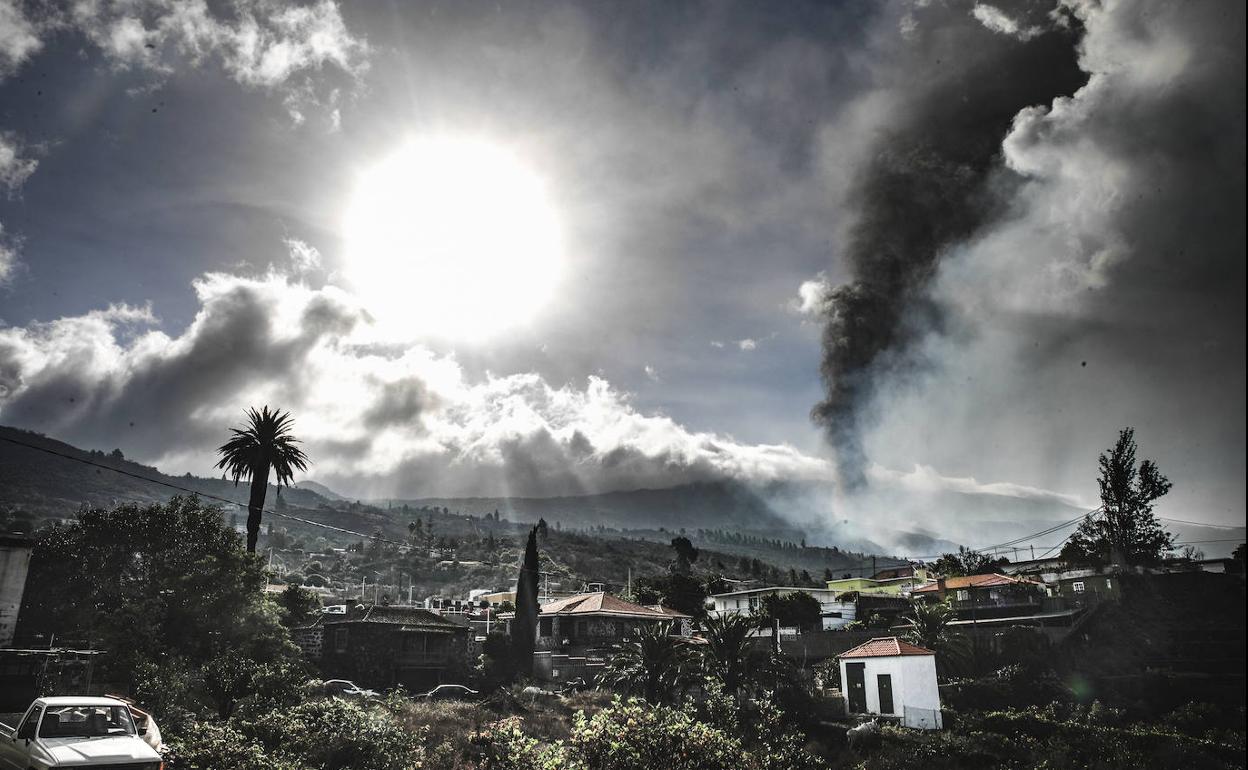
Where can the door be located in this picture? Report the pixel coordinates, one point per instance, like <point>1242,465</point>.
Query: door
<point>856,674</point>
<point>885,682</point>
<point>15,746</point>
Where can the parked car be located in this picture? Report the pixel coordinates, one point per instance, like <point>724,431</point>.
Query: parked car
<point>450,692</point>
<point>76,732</point>
<point>343,688</point>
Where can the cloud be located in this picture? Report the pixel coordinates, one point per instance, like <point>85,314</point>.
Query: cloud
<point>263,44</point>
<point>303,256</point>
<point>747,344</point>
<point>1110,290</point>
<point>9,249</point>
<point>377,418</point>
<point>652,374</point>
<point>14,170</point>
<point>812,296</point>
<point>998,21</point>
<point>19,37</point>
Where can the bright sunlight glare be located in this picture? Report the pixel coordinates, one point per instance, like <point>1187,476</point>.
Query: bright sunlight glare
<point>452,238</point>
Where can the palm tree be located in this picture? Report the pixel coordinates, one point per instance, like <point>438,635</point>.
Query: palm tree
<point>652,665</point>
<point>265,443</point>
<point>929,627</point>
<point>730,655</point>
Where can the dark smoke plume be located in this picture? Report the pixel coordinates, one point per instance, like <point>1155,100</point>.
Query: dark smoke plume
<point>932,181</point>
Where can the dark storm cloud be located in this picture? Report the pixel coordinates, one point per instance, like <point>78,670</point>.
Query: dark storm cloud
<point>930,181</point>
<point>1111,290</point>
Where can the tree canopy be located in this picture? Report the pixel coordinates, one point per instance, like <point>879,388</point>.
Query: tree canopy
<point>1124,529</point>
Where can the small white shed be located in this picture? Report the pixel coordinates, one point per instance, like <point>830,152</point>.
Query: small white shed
<point>891,677</point>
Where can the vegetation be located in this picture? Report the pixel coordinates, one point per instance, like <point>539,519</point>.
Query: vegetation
<point>795,610</point>
<point>524,625</point>
<point>653,665</point>
<point>266,443</point>
<point>1125,530</point>
<point>163,588</point>
<point>929,628</point>
<point>967,562</point>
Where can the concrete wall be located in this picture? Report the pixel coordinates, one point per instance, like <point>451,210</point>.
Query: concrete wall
<point>14,563</point>
<point>916,699</point>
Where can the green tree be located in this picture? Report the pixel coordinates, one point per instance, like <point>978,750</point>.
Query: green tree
<point>966,562</point>
<point>298,605</point>
<point>524,625</point>
<point>686,555</point>
<point>265,443</point>
<point>653,665</point>
<point>729,655</point>
<point>794,610</point>
<point>165,584</point>
<point>929,628</point>
<point>1124,530</point>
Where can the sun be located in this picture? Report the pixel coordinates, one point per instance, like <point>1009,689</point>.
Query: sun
<point>452,238</point>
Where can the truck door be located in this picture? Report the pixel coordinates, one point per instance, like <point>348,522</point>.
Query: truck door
<point>856,673</point>
<point>14,748</point>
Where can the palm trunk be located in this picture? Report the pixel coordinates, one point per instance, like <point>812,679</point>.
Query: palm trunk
<point>255,506</point>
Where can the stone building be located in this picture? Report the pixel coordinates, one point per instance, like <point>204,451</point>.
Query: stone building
<point>380,647</point>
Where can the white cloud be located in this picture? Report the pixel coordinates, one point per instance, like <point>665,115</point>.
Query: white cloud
<point>998,21</point>
<point>376,419</point>
<point>652,374</point>
<point>264,44</point>
<point>812,296</point>
<point>747,344</point>
<point>8,256</point>
<point>924,479</point>
<point>19,37</point>
<point>717,344</point>
<point>14,169</point>
<point>303,256</point>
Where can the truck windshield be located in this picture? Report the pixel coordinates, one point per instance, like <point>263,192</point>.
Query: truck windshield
<point>85,722</point>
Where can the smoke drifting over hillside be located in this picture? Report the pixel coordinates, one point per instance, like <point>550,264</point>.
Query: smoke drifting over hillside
<point>933,178</point>
<point>1045,254</point>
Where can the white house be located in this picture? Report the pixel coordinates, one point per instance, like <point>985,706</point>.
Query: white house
<point>836,613</point>
<point>891,677</point>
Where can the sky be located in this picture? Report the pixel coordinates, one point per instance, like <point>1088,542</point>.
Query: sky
<point>556,248</point>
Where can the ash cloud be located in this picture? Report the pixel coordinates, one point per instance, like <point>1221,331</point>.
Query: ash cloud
<point>1102,284</point>
<point>933,178</point>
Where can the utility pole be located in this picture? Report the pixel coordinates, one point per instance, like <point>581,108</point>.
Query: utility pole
<point>1033,552</point>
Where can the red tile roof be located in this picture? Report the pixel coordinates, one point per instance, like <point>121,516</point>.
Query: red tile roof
<point>604,604</point>
<point>885,647</point>
<point>975,581</point>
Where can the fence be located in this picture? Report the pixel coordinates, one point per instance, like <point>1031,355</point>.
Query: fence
<point>922,719</point>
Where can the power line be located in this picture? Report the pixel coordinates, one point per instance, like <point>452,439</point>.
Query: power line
<point>208,495</point>
<point>1197,523</point>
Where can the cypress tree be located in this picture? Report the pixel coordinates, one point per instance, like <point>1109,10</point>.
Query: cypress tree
<point>524,627</point>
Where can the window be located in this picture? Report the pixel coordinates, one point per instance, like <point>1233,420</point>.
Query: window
<point>963,594</point>
<point>27,730</point>
<point>1108,583</point>
<point>1077,586</point>
<point>86,722</point>
<point>545,627</point>
<point>340,640</point>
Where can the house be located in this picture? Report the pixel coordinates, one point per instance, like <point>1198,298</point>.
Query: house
<point>310,638</point>
<point>892,678</point>
<point>895,581</point>
<point>14,564</point>
<point>577,633</point>
<point>379,646</point>
<point>836,613</point>
<point>975,597</point>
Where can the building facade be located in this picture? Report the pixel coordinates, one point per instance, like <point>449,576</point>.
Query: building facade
<point>380,647</point>
<point>892,678</point>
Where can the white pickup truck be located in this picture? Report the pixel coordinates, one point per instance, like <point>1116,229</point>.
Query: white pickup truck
<point>82,733</point>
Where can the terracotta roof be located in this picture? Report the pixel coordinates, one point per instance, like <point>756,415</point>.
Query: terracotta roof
<point>885,647</point>
<point>604,604</point>
<point>976,581</point>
